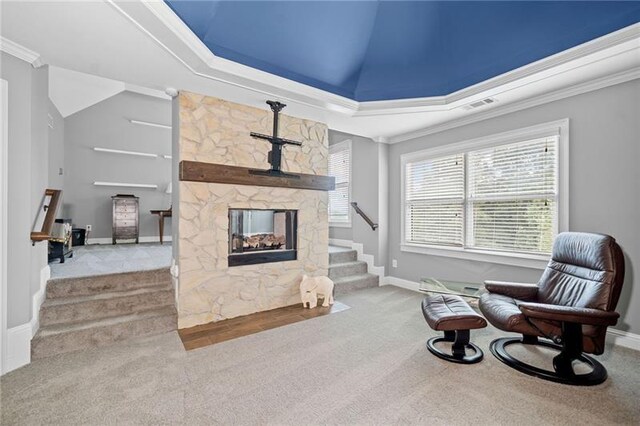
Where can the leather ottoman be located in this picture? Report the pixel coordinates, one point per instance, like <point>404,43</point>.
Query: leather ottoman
<point>452,315</point>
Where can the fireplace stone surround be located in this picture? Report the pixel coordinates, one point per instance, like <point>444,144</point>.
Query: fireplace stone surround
<point>215,131</point>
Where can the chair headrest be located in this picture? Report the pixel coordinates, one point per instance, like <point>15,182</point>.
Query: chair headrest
<point>593,251</point>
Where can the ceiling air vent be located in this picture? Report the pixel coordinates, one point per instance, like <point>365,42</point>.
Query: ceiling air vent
<point>478,104</point>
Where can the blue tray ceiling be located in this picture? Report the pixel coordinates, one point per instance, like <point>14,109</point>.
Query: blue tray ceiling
<point>370,50</point>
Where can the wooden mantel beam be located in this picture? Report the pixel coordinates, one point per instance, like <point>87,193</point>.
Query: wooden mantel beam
<point>195,171</point>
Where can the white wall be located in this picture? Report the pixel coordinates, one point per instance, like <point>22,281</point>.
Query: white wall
<point>39,170</point>
<point>56,149</point>
<point>367,189</point>
<point>604,186</point>
<point>27,181</point>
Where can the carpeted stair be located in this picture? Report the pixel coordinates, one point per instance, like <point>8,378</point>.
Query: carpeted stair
<point>85,312</point>
<point>347,272</point>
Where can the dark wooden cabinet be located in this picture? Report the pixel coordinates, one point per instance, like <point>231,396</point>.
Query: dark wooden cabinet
<point>126,218</point>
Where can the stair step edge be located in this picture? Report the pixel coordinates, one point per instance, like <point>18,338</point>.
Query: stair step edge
<point>113,275</point>
<point>343,253</point>
<point>87,285</point>
<point>351,278</point>
<point>108,316</point>
<point>342,264</point>
<point>56,329</point>
<point>71,300</point>
<point>340,249</point>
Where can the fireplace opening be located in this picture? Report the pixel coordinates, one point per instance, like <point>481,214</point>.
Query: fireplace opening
<point>262,236</point>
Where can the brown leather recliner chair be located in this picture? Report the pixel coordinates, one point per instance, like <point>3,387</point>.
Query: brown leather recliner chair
<point>573,304</point>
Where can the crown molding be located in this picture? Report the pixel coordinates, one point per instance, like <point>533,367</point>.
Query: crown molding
<point>219,69</point>
<point>20,52</point>
<point>578,89</point>
<point>190,47</point>
<point>521,88</point>
<point>479,90</point>
<point>147,91</point>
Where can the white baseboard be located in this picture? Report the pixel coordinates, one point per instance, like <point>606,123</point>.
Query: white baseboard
<point>19,338</point>
<point>617,337</point>
<point>362,256</point>
<point>38,299</point>
<point>108,240</point>
<point>18,347</point>
<point>399,282</point>
<point>624,338</point>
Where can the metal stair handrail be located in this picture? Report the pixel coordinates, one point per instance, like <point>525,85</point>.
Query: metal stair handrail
<point>358,210</point>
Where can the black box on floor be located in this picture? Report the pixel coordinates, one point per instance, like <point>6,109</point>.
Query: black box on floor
<point>77,236</point>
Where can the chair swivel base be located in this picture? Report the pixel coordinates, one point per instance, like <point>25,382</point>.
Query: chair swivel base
<point>562,363</point>
<point>459,349</point>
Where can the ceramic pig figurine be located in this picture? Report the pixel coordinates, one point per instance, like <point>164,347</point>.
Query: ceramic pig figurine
<point>313,287</point>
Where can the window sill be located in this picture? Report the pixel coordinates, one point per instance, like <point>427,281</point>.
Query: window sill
<point>339,224</point>
<point>512,259</point>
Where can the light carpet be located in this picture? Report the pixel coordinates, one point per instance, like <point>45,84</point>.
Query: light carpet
<point>99,259</point>
<point>366,365</point>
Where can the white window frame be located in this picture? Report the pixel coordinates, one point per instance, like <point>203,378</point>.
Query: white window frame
<point>558,128</point>
<point>340,146</point>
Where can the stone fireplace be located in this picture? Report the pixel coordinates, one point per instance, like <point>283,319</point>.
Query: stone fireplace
<point>213,284</point>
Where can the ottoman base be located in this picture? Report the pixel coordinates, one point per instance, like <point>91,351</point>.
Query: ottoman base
<point>461,344</point>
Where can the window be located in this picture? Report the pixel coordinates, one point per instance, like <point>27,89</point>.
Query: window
<point>435,200</point>
<point>512,196</point>
<point>339,199</point>
<point>502,196</point>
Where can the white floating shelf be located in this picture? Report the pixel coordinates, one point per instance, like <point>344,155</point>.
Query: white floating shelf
<point>119,151</point>
<point>148,123</point>
<point>130,185</point>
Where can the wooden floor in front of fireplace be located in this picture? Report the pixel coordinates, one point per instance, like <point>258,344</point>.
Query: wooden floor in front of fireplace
<point>220,331</point>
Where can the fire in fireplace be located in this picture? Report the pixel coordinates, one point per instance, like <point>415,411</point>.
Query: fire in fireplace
<point>262,236</point>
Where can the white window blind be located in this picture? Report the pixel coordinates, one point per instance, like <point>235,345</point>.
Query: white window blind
<point>501,198</point>
<point>435,201</point>
<point>513,197</point>
<point>340,168</point>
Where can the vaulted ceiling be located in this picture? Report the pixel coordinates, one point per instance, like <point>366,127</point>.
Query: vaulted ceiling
<point>372,50</point>
<point>305,48</point>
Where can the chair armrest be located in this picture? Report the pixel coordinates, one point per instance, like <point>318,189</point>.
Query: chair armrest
<point>586,316</point>
<point>516,290</point>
